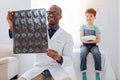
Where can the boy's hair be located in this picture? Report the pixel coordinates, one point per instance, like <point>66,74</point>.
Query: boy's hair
<point>91,10</point>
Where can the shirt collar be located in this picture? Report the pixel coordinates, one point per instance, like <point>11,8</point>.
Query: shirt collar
<point>54,28</point>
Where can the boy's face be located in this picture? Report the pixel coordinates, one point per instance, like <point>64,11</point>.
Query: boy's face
<point>90,18</point>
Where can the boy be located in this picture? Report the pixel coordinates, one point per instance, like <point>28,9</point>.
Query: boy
<point>90,36</point>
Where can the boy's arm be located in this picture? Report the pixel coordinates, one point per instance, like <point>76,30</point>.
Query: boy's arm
<point>82,35</point>
<point>89,41</point>
<point>94,41</point>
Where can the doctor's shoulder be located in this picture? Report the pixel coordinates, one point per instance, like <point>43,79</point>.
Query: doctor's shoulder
<point>67,37</point>
<point>65,34</point>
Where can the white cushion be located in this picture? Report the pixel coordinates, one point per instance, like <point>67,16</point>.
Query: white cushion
<point>7,60</point>
<point>6,50</point>
<point>91,37</point>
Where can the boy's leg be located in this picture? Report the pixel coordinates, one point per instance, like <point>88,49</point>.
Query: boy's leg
<point>83,60</point>
<point>97,59</point>
<point>83,57</point>
<point>97,75</point>
<point>84,76</point>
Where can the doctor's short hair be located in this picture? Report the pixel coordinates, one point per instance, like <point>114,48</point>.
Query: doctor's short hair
<point>91,10</point>
<point>60,10</point>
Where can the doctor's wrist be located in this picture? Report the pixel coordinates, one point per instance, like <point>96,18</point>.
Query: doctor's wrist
<point>61,60</point>
<point>58,58</point>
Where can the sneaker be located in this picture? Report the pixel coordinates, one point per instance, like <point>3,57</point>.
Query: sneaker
<point>84,77</point>
<point>97,76</point>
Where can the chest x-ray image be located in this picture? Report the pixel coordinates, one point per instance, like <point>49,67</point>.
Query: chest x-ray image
<point>30,31</point>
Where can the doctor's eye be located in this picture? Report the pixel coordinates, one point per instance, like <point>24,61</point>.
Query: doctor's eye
<point>53,13</point>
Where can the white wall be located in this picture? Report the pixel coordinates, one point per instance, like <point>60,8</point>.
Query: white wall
<point>111,34</point>
<point>5,6</point>
<point>119,41</point>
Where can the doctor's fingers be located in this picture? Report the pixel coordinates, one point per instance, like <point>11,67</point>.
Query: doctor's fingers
<point>52,56</point>
<point>10,14</point>
<point>52,53</point>
<point>51,50</point>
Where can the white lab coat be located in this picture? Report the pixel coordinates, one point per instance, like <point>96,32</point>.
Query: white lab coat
<point>61,42</point>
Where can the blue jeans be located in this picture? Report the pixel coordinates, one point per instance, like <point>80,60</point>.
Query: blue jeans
<point>85,49</point>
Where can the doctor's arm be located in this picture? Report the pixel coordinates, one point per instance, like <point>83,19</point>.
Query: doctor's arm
<point>9,19</point>
<point>55,55</point>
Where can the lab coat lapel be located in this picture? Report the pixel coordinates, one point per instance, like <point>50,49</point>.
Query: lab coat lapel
<point>57,34</point>
<point>55,41</point>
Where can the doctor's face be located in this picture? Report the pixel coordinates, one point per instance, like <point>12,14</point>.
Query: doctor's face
<point>53,16</point>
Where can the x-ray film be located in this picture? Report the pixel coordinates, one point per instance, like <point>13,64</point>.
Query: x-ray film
<point>30,31</point>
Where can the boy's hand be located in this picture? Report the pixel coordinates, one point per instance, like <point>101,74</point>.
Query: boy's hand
<point>87,41</point>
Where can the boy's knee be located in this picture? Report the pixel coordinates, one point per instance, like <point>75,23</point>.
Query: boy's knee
<point>22,78</point>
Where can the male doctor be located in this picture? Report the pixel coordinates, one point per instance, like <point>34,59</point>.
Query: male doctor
<point>49,65</point>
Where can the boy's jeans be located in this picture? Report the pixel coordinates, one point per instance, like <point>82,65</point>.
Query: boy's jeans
<point>85,49</point>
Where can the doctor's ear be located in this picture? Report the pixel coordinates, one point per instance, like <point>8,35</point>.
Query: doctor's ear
<point>59,16</point>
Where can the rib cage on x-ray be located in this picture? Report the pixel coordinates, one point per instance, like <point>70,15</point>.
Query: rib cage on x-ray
<point>30,31</point>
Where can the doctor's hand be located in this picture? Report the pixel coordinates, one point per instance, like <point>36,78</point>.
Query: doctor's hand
<point>53,54</point>
<point>9,19</point>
